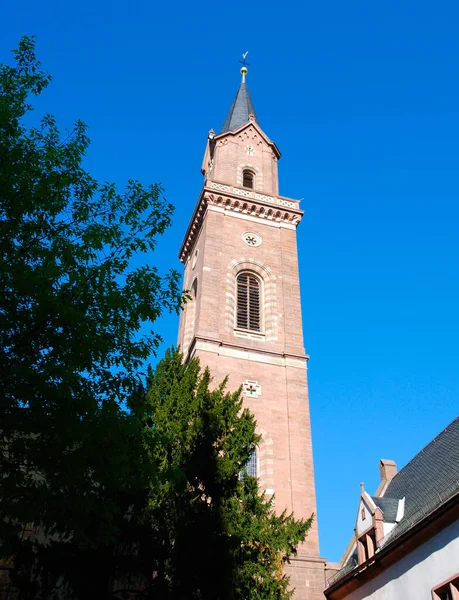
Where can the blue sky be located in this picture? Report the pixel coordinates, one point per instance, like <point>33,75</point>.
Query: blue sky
<point>362,100</point>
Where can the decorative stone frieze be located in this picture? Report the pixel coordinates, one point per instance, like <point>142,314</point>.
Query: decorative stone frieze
<point>245,193</point>
<point>220,187</point>
<point>286,203</point>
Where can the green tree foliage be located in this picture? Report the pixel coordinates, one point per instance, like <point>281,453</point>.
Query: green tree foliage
<point>75,320</point>
<point>193,528</point>
<point>214,535</point>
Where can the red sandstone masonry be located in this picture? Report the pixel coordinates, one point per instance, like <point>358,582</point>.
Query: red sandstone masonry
<point>277,361</point>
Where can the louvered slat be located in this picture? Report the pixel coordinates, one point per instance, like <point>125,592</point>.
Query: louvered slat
<point>248,302</point>
<point>242,301</point>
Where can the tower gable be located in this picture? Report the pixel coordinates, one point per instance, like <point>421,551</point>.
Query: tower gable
<point>247,149</point>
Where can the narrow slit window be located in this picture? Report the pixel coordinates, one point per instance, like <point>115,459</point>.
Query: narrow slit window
<point>248,302</point>
<point>251,467</point>
<point>247,179</point>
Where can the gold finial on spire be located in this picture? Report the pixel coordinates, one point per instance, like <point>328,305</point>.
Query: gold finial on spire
<point>245,64</point>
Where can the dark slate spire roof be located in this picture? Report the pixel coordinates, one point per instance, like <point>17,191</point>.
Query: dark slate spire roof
<point>240,110</point>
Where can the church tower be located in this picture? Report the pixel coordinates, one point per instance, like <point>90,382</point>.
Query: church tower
<point>244,318</point>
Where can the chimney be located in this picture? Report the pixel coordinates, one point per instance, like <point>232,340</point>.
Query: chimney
<point>387,469</point>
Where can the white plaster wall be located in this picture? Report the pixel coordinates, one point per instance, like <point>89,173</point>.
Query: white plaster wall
<point>364,524</point>
<point>416,574</point>
<point>387,528</point>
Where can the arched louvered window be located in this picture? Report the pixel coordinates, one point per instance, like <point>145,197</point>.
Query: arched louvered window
<point>248,302</point>
<point>247,179</point>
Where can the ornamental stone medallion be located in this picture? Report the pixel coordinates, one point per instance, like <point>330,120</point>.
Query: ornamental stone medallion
<point>251,239</point>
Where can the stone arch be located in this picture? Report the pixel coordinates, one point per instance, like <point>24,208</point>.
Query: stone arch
<point>257,173</point>
<point>248,178</point>
<point>269,303</point>
<point>250,288</point>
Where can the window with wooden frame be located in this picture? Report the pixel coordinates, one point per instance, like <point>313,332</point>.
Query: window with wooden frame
<point>247,179</point>
<point>449,590</point>
<point>248,314</point>
<point>366,546</point>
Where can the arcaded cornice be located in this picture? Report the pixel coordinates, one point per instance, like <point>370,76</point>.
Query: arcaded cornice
<point>239,200</point>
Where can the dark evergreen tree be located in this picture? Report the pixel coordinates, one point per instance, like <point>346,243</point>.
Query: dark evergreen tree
<point>198,528</point>
<point>71,310</point>
<point>219,537</point>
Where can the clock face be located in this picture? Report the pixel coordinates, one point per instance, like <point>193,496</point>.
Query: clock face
<point>251,239</point>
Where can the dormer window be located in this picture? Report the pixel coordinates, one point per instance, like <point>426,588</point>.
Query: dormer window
<point>247,179</point>
<point>366,546</point>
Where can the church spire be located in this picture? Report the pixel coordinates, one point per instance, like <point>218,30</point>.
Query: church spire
<point>242,106</point>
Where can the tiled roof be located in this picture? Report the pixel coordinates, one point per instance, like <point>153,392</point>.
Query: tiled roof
<point>389,506</point>
<point>426,482</point>
<point>240,110</point>
<point>429,479</point>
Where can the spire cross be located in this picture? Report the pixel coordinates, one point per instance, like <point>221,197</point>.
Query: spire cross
<point>243,61</point>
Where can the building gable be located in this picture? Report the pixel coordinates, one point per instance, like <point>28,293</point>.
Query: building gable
<point>365,515</point>
<point>415,505</point>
